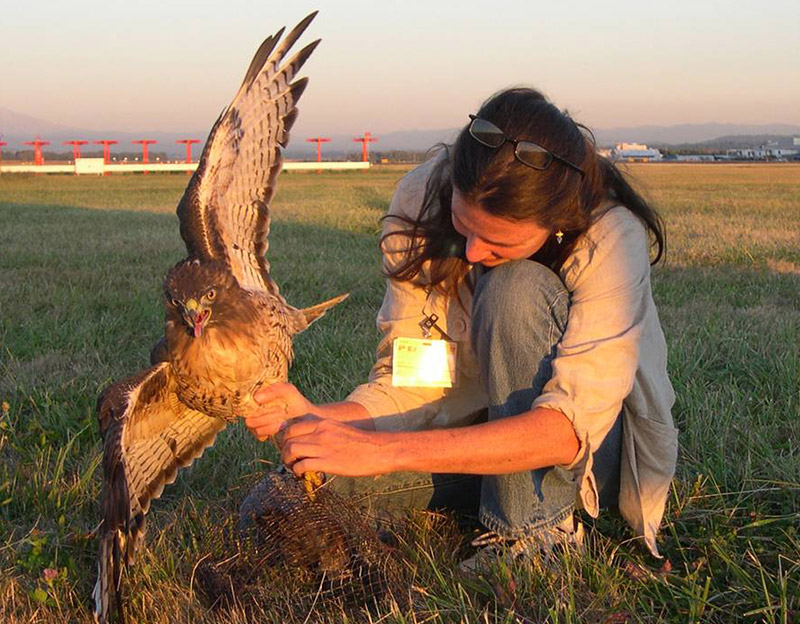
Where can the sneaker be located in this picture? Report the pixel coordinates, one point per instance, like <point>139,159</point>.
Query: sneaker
<point>545,544</point>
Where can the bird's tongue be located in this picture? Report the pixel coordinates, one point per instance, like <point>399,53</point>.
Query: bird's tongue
<point>198,324</point>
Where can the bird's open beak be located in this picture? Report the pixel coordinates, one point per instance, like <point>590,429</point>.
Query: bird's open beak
<point>196,317</point>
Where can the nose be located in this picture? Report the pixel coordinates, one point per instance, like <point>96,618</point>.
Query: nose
<point>476,250</point>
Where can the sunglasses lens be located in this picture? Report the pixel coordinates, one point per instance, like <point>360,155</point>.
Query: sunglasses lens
<point>533,155</point>
<point>487,133</point>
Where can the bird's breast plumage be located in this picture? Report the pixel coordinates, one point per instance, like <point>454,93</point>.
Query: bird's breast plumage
<point>218,371</point>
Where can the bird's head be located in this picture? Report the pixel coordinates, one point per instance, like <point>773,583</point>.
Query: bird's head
<point>196,292</point>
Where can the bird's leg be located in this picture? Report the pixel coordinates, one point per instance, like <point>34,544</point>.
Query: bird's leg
<point>312,481</point>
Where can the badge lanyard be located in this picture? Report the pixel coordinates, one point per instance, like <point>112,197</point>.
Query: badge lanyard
<point>426,362</point>
<point>429,321</point>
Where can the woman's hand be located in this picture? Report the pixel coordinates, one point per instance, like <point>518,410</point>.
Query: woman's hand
<point>316,444</point>
<point>280,402</point>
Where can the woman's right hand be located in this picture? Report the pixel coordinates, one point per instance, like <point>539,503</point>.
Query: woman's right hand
<point>279,403</point>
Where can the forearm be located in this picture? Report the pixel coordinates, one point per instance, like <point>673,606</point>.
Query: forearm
<point>534,439</point>
<point>280,403</point>
<point>346,412</point>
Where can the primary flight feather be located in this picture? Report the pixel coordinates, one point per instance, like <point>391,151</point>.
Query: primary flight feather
<point>228,330</point>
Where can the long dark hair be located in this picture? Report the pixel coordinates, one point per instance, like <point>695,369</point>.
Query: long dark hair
<point>558,198</point>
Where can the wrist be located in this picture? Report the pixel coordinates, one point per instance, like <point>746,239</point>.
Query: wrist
<point>317,410</point>
<point>349,412</point>
<point>392,452</point>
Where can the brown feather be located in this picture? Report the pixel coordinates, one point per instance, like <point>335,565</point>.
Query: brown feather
<point>224,212</point>
<point>160,420</point>
<point>147,436</point>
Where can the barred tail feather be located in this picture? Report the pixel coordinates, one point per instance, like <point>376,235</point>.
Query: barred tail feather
<point>109,576</point>
<point>105,579</point>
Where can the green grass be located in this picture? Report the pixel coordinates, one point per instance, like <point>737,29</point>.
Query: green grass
<point>81,262</point>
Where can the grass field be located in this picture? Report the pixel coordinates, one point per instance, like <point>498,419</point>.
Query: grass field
<point>81,263</point>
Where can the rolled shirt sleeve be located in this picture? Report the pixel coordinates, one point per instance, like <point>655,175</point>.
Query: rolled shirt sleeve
<point>596,361</point>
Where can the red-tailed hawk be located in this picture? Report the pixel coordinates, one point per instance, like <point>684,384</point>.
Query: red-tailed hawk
<point>228,330</point>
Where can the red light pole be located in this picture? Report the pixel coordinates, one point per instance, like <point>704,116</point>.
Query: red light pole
<point>188,143</point>
<point>38,157</point>
<point>106,143</point>
<point>319,141</point>
<point>365,140</point>
<point>76,147</point>
<point>144,143</point>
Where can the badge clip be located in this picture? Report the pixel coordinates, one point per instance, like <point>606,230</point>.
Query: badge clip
<point>428,323</point>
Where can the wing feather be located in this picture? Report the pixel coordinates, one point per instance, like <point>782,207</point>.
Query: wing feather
<point>148,435</point>
<point>224,212</point>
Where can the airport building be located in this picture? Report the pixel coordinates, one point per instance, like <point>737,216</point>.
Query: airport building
<point>635,152</point>
<point>764,152</point>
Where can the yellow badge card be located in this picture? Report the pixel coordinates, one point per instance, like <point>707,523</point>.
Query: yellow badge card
<point>424,363</point>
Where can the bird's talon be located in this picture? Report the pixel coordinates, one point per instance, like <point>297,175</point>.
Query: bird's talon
<point>312,481</point>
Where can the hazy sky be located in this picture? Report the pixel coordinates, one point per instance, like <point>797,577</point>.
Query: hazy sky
<point>385,66</point>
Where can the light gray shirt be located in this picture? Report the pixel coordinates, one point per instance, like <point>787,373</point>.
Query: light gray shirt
<point>610,360</point>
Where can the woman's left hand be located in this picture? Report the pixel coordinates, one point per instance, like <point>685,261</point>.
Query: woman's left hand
<point>321,445</point>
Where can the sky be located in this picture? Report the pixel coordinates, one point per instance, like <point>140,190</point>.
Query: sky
<point>394,66</point>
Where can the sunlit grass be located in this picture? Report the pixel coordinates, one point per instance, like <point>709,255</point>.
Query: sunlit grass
<point>81,261</point>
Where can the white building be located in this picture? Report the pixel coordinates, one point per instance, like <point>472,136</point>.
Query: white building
<point>635,152</point>
<point>765,152</point>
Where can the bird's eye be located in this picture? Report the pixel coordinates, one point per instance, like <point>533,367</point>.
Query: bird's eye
<point>211,295</point>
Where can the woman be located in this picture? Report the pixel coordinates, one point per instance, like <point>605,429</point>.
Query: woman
<point>530,252</point>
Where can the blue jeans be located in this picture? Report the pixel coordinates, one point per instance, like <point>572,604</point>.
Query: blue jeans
<point>519,314</point>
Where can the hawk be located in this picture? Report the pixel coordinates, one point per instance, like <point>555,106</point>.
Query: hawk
<point>227,329</point>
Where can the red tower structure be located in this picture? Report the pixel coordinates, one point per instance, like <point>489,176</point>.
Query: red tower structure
<point>365,140</point>
<point>38,157</point>
<point>144,143</point>
<point>106,143</point>
<point>76,147</point>
<point>319,141</point>
<point>188,143</point>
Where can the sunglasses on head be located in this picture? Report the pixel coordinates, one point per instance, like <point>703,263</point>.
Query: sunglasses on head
<point>526,152</point>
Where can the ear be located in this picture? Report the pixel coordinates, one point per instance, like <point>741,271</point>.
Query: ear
<point>306,316</point>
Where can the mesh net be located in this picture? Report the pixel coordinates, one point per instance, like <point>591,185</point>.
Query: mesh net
<point>290,547</point>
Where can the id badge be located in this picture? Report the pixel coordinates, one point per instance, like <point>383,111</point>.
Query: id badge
<point>424,363</point>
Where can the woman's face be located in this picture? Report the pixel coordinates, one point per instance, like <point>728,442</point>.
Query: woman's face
<point>493,240</point>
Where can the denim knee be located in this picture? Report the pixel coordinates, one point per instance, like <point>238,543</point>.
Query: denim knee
<point>516,292</point>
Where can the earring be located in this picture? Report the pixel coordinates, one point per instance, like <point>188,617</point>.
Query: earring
<point>559,236</point>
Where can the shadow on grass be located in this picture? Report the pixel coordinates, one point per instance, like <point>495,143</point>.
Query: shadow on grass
<point>374,199</point>
<point>727,285</point>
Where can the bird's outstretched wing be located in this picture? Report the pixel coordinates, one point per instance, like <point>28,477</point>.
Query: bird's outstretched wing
<point>148,434</point>
<point>224,212</point>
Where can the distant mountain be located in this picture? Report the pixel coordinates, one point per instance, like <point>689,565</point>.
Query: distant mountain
<point>16,128</point>
<point>688,133</point>
<point>13,124</point>
<point>731,142</point>
<point>737,135</point>
<point>342,144</point>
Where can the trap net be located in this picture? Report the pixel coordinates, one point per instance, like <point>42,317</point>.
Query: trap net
<point>299,551</point>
